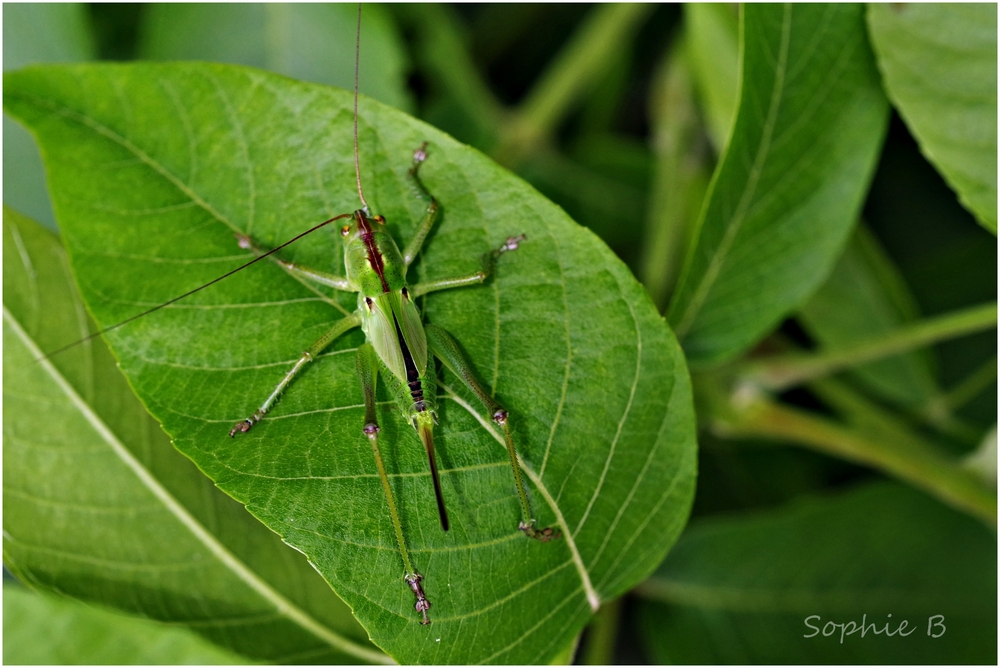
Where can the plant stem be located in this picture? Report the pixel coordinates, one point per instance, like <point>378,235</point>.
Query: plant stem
<point>600,647</point>
<point>606,29</point>
<point>787,370</point>
<point>864,414</point>
<point>971,386</point>
<point>906,458</point>
<point>939,410</point>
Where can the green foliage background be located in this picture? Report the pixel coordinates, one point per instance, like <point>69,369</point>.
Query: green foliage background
<point>807,193</point>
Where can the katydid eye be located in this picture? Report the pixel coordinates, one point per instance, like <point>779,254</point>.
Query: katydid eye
<point>345,230</point>
<point>406,293</point>
<point>369,302</point>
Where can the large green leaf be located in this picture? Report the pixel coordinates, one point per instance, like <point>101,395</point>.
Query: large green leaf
<point>98,505</point>
<point>153,167</point>
<point>308,41</point>
<point>785,195</point>
<point>939,61</point>
<point>47,630</point>
<point>755,583</point>
<point>37,32</point>
<point>865,296</point>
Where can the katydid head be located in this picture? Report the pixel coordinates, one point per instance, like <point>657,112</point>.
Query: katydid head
<point>372,260</point>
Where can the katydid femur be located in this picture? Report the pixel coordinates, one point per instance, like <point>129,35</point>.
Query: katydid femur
<point>399,345</point>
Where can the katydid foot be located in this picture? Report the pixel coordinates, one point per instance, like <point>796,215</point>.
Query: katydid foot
<point>243,426</point>
<point>511,243</point>
<point>525,525</point>
<point>541,535</point>
<point>422,605</point>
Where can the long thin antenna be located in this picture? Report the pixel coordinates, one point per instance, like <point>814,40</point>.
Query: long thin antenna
<point>357,67</point>
<point>190,292</point>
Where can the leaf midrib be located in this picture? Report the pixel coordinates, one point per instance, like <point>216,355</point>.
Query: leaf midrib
<point>749,190</point>
<point>283,606</point>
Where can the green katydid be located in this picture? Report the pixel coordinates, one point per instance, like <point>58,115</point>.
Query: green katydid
<point>398,344</point>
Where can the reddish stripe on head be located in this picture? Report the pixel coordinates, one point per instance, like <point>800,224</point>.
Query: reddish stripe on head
<point>374,254</point>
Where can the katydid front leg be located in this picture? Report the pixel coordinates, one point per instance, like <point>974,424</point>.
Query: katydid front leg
<point>446,349</point>
<point>430,214</point>
<point>315,275</point>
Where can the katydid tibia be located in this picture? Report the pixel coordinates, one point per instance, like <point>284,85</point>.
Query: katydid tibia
<point>399,346</point>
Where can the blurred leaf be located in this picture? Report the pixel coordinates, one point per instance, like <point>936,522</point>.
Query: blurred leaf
<point>947,259</point>
<point>565,656</point>
<point>594,379</point>
<point>865,296</point>
<point>46,630</point>
<point>680,178</point>
<point>460,101</point>
<point>940,67</point>
<point>610,207</point>
<point>578,68</point>
<point>308,41</point>
<point>984,459</point>
<point>711,34</point>
<point>99,506</point>
<point>789,188</point>
<point>45,33</point>
<point>601,103</point>
<point>37,33</point>
<point>735,474</point>
<point>616,156</point>
<point>750,583</point>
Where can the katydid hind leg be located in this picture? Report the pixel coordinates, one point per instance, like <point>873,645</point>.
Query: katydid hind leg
<point>446,349</point>
<point>342,326</point>
<point>367,363</point>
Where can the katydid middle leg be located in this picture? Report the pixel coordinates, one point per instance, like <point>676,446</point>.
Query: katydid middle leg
<point>446,349</point>
<point>489,265</point>
<point>367,361</point>
<point>341,327</point>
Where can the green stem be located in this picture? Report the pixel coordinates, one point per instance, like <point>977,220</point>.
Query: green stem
<point>972,386</point>
<point>939,410</point>
<point>787,370</point>
<point>868,415</point>
<point>603,634</point>
<point>906,458</point>
<point>606,29</point>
